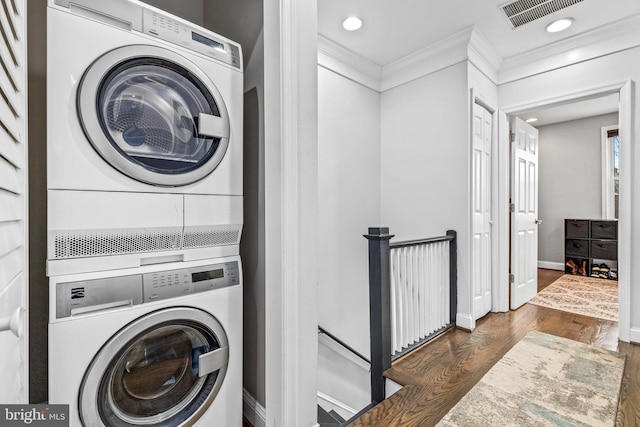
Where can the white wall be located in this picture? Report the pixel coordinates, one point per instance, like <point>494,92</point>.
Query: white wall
<point>425,163</point>
<point>343,381</point>
<point>484,89</point>
<point>348,203</point>
<point>594,75</point>
<point>570,180</point>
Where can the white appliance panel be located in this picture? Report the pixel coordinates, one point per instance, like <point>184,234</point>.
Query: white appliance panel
<point>82,210</point>
<point>75,340</point>
<point>72,161</point>
<point>91,203</point>
<point>205,210</point>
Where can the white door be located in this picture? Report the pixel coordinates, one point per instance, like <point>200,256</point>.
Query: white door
<point>481,215</point>
<point>524,217</point>
<point>14,265</point>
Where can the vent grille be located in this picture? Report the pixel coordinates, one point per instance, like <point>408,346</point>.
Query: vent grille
<point>217,235</point>
<point>522,12</point>
<point>91,243</point>
<point>77,244</point>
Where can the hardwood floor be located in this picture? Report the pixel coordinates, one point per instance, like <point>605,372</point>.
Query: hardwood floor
<point>436,376</point>
<point>547,277</point>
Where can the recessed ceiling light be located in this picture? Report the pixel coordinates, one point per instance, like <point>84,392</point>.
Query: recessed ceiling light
<point>352,23</point>
<point>531,120</point>
<point>559,25</point>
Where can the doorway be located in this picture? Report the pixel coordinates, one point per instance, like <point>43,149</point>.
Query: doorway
<point>625,108</point>
<point>573,229</point>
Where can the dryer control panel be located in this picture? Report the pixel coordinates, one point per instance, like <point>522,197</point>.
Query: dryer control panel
<point>138,16</point>
<point>96,295</point>
<point>192,37</point>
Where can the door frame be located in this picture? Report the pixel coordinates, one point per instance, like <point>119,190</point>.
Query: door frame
<point>625,114</point>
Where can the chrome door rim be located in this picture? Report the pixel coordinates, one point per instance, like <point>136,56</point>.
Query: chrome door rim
<point>88,114</point>
<point>88,395</point>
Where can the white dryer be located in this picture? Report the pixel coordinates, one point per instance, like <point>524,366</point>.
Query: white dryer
<point>144,137</point>
<point>149,346</point>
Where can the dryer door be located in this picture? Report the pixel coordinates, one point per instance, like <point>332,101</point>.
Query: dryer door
<point>153,115</point>
<point>163,369</point>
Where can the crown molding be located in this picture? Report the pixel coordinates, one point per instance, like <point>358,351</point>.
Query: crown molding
<point>465,45</point>
<point>435,57</point>
<point>346,63</point>
<point>471,45</point>
<point>605,40</point>
<point>468,44</point>
<point>483,55</point>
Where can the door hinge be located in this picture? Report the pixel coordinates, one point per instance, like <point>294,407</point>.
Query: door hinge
<point>512,207</point>
<point>512,137</point>
<point>512,278</point>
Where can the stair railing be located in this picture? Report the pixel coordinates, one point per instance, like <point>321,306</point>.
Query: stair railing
<point>412,296</point>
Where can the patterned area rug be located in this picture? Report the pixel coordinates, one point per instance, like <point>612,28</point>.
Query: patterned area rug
<point>581,295</point>
<point>544,381</point>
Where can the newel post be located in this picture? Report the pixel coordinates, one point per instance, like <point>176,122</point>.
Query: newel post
<point>453,275</point>
<point>379,308</point>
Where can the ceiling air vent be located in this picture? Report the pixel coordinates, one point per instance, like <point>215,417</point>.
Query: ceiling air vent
<point>522,12</point>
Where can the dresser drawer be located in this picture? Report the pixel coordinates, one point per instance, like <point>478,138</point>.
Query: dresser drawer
<point>604,249</point>
<point>604,230</point>
<point>576,228</point>
<point>577,248</point>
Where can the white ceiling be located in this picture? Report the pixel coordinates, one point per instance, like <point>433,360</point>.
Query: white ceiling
<point>393,29</point>
<point>573,111</point>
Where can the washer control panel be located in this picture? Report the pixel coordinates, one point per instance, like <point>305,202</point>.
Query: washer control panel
<point>174,283</point>
<point>91,296</point>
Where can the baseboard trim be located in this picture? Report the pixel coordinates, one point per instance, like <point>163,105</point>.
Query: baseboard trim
<point>465,321</point>
<point>336,404</point>
<point>634,335</point>
<point>391,387</point>
<point>253,411</point>
<point>550,265</point>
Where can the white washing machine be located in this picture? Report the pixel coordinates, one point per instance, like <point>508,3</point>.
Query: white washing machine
<point>149,346</point>
<point>144,137</point>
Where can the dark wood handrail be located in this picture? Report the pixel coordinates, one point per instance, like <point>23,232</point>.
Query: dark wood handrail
<point>447,238</point>
<point>342,343</point>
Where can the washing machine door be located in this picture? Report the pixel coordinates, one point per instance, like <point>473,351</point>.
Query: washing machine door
<point>153,115</point>
<point>163,369</point>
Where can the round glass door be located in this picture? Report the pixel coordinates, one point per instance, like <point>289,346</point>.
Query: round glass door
<point>153,115</point>
<point>157,371</point>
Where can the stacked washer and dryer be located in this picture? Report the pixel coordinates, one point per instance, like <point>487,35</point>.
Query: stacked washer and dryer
<point>144,184</point>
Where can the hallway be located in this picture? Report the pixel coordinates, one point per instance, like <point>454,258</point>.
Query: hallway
<point>436,376</point>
